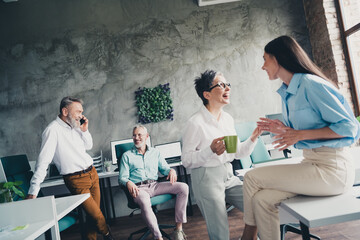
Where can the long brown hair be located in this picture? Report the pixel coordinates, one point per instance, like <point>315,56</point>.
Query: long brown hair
<point>290,55</point>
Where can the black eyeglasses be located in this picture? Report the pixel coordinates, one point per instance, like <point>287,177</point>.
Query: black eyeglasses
<point>221,85</point>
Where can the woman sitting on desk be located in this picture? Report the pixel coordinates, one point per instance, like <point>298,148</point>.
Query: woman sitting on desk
<point>318,120</point>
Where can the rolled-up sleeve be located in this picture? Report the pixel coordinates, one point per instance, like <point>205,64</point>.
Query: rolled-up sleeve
<point>124,171</point>
<point>245,148</point>
<point>333,108</point>
<point>164,168</point>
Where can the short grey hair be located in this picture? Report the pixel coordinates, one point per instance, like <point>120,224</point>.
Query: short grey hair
<point>66,101</point>
<point>140,126</point>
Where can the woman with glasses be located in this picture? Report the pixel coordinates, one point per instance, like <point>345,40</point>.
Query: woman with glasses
<point>318,120</point>
<point>203,149</point>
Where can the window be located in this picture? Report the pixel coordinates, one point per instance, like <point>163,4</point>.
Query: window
<point>349,24</point>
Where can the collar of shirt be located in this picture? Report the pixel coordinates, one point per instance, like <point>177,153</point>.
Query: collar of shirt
<point>135,151</point>
<point>209,117</point>
<point>284,90</point>
<point>62,123</point>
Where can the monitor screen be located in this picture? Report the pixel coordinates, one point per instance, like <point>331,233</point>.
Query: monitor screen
<point>119,146</point>
<point>169,150</point>
<point>273,117</point>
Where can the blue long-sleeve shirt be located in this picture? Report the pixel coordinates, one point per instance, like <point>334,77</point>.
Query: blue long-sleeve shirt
<point>310,102</point>
<point>137,167</point>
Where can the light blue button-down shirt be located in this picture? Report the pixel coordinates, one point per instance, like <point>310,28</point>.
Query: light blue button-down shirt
<point>310,102</point>
<point>137,167</point>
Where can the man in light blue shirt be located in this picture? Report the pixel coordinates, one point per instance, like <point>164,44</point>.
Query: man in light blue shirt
<point>139,169</point>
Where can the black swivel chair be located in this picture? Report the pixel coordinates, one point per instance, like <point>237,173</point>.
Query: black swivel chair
<point>120,149</point>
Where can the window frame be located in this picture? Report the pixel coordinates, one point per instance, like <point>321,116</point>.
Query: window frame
<point>344,34</point>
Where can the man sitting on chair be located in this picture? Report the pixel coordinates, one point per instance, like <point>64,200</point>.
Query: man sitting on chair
<point>139,173</point>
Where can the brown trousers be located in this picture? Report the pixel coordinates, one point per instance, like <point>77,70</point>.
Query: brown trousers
<point>89,183</point>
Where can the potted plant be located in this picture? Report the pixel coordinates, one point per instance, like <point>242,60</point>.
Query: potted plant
<point>10,190</point>
<point>107,165</point>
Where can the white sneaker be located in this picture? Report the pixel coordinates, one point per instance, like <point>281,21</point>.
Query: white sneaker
<point>179,235</point>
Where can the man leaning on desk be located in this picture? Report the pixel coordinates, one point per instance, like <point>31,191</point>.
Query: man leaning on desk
<point>65,142</point>
<point>139,173</point>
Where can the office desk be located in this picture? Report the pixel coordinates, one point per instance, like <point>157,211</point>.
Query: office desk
<point>29,213</point>
<point>38,215</point>
<point>104,179</point>
<point>320,211</point>
<point>106,190</point>
<point>184,178</point>
<point>64,205</point>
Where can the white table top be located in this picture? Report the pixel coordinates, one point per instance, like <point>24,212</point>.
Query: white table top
<point>35,215</point>
<point>329,210</point>
<point>64,205</point>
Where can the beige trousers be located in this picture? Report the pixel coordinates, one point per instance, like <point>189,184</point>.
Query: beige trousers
<point>213,187</point>
<point>323,172</point>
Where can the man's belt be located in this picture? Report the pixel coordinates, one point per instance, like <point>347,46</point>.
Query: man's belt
<point>79,172</point>
<point>145,182</point>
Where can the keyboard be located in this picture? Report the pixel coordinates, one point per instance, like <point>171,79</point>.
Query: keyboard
<point>173,160</point>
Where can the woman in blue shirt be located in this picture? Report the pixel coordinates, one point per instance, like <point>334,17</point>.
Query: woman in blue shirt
<point>317,119</point>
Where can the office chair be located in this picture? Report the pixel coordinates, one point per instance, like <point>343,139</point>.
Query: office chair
<point>244,131</point>
<point>120,150</point>
<point>261,155</point>
<point>17,168</point>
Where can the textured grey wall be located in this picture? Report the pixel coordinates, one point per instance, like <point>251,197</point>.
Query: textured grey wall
<point>102,51</point>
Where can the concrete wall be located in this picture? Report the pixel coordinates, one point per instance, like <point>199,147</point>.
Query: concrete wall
<point>102,51</point>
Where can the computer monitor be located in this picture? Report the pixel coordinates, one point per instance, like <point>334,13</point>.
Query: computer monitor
<point>170,151</point>
<point>118,147</point>
<point>273,117</point>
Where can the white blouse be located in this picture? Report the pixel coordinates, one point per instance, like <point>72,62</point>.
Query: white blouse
<point>201,129</point>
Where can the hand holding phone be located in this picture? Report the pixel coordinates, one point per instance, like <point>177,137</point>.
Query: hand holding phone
<point>84,124</point>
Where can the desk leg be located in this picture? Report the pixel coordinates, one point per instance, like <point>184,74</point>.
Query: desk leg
<point>190,210</point>
<point>111,198</point>
<point>305,231</point>
<point>103,198</point>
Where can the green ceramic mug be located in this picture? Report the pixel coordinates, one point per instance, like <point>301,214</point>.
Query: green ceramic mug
<point>230,143</point>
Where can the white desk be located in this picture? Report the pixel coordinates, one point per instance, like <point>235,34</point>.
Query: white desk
<point>38,215</point>
<point>64,205</point>
<point>320,211</point>
<point>103,176</point>
<point>105,185</point>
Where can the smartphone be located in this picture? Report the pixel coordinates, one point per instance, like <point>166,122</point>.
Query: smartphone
<point>82,121</point>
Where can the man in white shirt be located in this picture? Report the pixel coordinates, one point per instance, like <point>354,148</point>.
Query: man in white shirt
<point>213,181</point>
<point>65,142</point>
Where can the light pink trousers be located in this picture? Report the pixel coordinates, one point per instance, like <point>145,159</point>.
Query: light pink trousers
<point>323,172</point>
<point>181,190</point>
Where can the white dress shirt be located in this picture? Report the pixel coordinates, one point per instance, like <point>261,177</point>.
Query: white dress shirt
<point>201,129</point>
<point>66,147</point>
